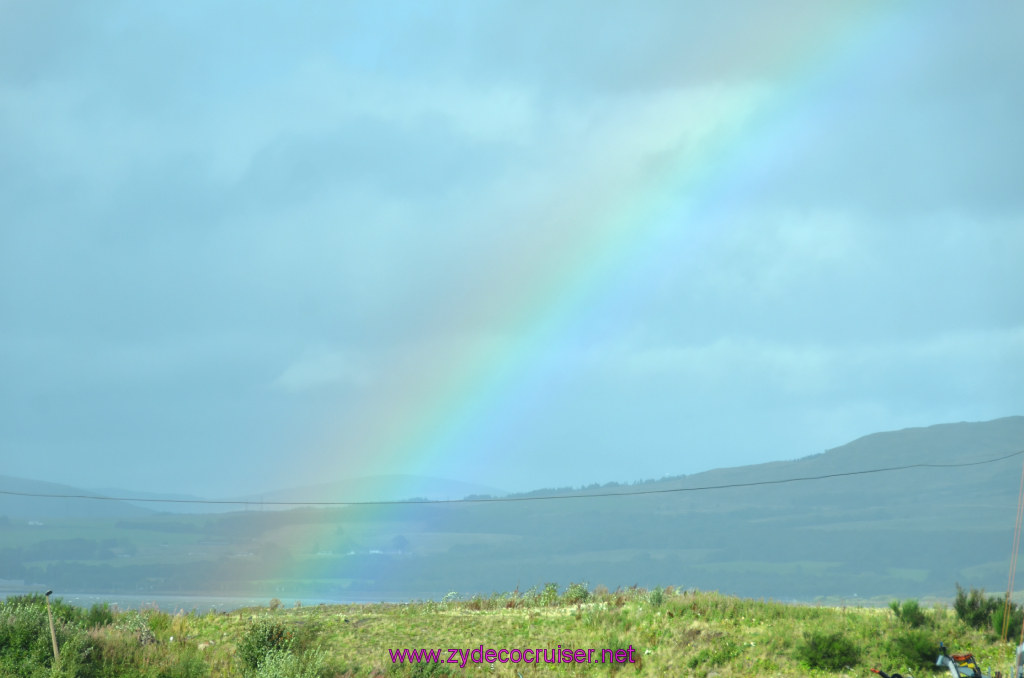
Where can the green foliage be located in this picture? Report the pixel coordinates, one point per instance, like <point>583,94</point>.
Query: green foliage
<point>909,612</point>
<point>549,596</point>
<point>1016,619</point>
<point>188,665</point>
<point>973,608</point>
<point>26,648</point>
<point>829,651</point>
<point>98,615</point>
<point>672,632</point>
<point>134,623</point>
<point>717,655</point>
<point>24,638</point>
<point>61,611</point>
<point>914,648</point>
<point>576,593</point>
<point>159,622</point>
<point>263,636</point>
<point>306,635</point>
<point>421,670</point>
<point>282,663</point>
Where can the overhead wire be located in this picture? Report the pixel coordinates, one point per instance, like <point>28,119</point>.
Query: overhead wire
<point>494,500</point>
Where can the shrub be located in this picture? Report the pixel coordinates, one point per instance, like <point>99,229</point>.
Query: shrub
<point>656,597</point>
<point>61,611</point>
<point>1016,619</point>
<point>26,649</point>
<point>262,636</point>
<point>829,651</point>
<point>914,648</point>
<point>280,663</point>
<point>909,612</point>
<point>576,593</point>
<point>24,638</point>
<point>98,615</point>
<point>132,622</point>
<point>973,608</point>
<point>421,670</point>
<point>550,594</point>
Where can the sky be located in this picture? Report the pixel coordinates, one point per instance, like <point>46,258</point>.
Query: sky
<point>246,246</point>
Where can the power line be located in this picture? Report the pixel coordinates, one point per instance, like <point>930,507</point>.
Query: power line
<point>495,500</point>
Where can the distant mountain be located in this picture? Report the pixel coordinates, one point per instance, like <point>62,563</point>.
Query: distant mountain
<point>934,451</point>
<point>899,514</point>
<point>18,506</point>
<point>393,487</point>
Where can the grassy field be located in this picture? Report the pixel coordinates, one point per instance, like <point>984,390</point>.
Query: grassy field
<point>670,632</point>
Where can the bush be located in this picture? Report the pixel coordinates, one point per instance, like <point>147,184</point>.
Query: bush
<point>24,638</point>
<point>421,670</point>
<point>915,649</point>
<point>1016,619</point>
<point>26,649</point>
<point>576,593</point>
<point>99,615</point>
<point>550,594</point>
<point>829,651</point>
<point>132,622</point>
<point>909,612</point>
<point>263,636</point>
<point>973,608</point>
<point>656,597</point>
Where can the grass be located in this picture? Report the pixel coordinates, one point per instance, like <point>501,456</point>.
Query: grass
<point>671,632</point>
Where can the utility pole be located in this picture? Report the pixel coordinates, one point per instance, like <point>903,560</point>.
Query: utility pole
<point>53,633</point>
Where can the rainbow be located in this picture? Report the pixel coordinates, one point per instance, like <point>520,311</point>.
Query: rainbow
<point>431,417</point>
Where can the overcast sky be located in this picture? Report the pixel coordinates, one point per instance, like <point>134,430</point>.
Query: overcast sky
<point>523,244</point>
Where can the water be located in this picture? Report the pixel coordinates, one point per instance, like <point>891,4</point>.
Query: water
<point>199,604</point>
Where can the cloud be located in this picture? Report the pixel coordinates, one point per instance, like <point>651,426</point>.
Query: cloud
<point>219,215</point>
<point>943,368</point>
<point>322,369</point>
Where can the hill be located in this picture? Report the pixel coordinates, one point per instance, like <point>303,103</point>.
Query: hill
<point>781,530</point>
<point>16,505</point>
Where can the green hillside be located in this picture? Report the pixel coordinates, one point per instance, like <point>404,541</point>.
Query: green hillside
<point>876,536</point>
